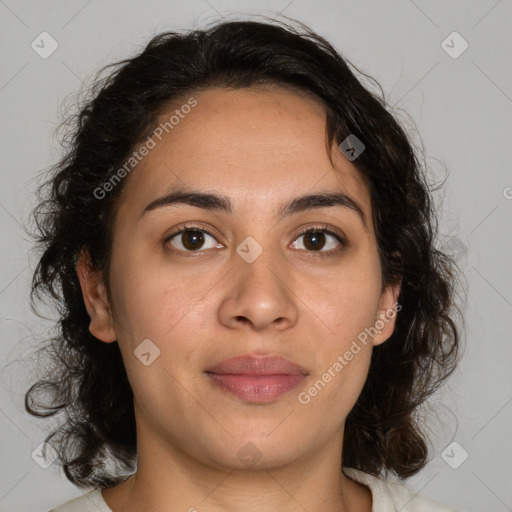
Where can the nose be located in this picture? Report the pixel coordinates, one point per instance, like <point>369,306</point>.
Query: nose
<point>260,295</point>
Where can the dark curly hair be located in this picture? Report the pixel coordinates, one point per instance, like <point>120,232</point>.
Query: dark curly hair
<point>87,380</point>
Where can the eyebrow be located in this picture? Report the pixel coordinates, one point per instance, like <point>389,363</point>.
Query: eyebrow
<point>215,202</point>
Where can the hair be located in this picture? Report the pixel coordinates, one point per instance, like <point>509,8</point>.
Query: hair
<point>88,381</point>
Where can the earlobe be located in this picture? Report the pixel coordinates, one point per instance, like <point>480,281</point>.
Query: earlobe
<point>388,310</point>
<point>95,298</point>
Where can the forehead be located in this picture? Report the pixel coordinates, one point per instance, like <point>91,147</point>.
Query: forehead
<point>253,143</point>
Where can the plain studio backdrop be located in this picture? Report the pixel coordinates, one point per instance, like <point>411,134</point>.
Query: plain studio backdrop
<point>445,71</point>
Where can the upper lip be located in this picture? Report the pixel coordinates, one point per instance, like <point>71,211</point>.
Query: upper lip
<point>257,365</point>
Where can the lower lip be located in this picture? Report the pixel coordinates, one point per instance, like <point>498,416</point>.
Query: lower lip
<point>256,388</point>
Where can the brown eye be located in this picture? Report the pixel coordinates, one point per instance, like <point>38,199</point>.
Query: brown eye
<point>189,240</point>
<point>316,239</point>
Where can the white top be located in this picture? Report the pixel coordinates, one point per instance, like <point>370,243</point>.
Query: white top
<point>387,497</point>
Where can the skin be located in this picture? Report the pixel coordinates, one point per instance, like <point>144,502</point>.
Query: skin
<point>261,148</point>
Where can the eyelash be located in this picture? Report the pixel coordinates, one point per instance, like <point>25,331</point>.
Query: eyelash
<point>311,229</point>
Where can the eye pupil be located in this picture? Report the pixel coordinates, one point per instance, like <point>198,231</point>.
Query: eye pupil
<point>192,240</point>
<point>317,240</point>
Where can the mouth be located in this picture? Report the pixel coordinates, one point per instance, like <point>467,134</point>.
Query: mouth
<point>256,379</point>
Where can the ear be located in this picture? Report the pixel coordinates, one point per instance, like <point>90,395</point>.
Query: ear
<point>386,316</point>
<point>95,298</point>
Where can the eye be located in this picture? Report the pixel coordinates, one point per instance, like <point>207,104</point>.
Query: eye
<point>317,238</point>
<point>192,238</point>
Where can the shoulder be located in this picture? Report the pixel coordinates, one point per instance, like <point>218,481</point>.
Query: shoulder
<point>89,502</point>
<point>393,497</point>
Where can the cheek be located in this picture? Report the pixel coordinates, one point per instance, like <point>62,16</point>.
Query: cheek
<point>152,298</point>
<point>168,308</point>
<point>348,308</point>
<point>349,303</point>
<point>164,308</point>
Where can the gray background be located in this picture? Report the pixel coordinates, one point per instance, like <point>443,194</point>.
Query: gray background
<point>460,106</point>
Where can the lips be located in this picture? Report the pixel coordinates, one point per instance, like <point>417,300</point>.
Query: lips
<point>256,379</point>
<point>257,365</point>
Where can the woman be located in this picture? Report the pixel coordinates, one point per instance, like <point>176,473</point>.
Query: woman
<point>241,244</point>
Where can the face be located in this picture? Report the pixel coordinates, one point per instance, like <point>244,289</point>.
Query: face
<point>243,280</point>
